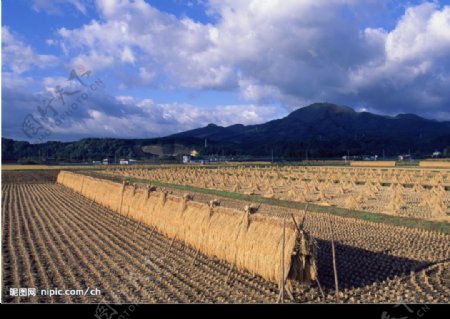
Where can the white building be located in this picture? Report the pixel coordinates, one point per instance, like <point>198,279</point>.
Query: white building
<point>436,154</point>
<point>186,159</point>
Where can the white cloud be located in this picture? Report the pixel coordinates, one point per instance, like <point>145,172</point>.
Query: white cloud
<point>125,116</point>
<point>18,57</point>
<point>281,51</point>
<point>54,6</point>
<point>147,76</point>
<point>414,70</point>
<point>422,33</point>
<point>280,45</point>
<point>94,60</point>
<point>179,48</point>
<point>127,55</point>
<point>176,117</point>
<point>13,80</point>
<point>289,51</point>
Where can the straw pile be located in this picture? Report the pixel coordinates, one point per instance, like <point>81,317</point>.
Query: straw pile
<point>437,164</point>
<point>251,242</point>
<point>372,163</point>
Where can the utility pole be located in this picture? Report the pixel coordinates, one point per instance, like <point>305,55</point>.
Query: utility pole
<point>272,155</point>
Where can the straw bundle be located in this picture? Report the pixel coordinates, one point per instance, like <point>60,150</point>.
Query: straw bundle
<point>434,164</point>
<point>249,241</point>
<point>372,164</point>
<point>351,203</point>
<point>396,203</point>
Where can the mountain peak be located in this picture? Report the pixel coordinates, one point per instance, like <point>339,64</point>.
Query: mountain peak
<point>318,111</point>
<point>324,130</point>
<point>329,107</point>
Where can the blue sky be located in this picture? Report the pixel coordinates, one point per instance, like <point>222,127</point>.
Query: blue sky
<point>164,66</point>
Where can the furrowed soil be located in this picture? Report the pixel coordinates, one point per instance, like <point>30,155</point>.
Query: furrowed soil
<point>56,238</point>
<point>29,177</point>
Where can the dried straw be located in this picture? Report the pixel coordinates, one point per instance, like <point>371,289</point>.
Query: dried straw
<point>251,242</point>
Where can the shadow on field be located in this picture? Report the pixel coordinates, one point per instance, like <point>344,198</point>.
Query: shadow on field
<point>357,267</point>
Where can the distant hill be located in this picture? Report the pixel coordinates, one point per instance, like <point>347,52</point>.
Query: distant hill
<point>171,149</point>
<point>328,130</point>
<point>322,129</point>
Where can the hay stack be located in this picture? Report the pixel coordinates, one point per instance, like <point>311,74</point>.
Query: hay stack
<point>270,193</point>
<point>301,197</point>
<point>351,202</point>
<point>418,188</point>
<point>291,194</point>
<point>438,209</point>
<point>251,242</point>
<point>396,203</point>
<point>437,205</point>
<point>304,259</point>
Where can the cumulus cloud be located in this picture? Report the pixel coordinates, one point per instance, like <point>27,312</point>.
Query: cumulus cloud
<point>18,57</point>
<point>145,118</point>
<point>11,80</point>
<point>274,52</point>
<point>101,115</point>
<point>413,73</point>
<point>289,51</point>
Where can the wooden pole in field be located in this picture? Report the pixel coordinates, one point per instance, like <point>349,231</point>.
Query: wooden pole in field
<point>121,201</point>
<point>136,231</point>
<point>195,257</point>
<point>302,225</point>
<point>291,296</point>
<point>152,232</point>
<point>170,247</point>
<point>317,279</point>
<point>282,261</point>
<point>137,227</point>
<point>333,252</point>
<point>126,219</point>
<point>82,184</point>
<point>320,287</point>
<point>229,274</point>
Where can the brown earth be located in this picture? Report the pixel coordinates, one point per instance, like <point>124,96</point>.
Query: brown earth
<point>53,237</point>
<point>28,177</point>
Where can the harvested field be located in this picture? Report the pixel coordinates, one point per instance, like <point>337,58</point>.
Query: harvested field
<point>418,193</point>
<point>435,164</point>
<point>251,242</point>
<point>29,177</point>
<point>372,163</point>
<point>34,167</point>
<point>54,237</point>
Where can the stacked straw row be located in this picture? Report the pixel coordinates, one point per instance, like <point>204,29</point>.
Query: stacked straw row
<point>250,242</point>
